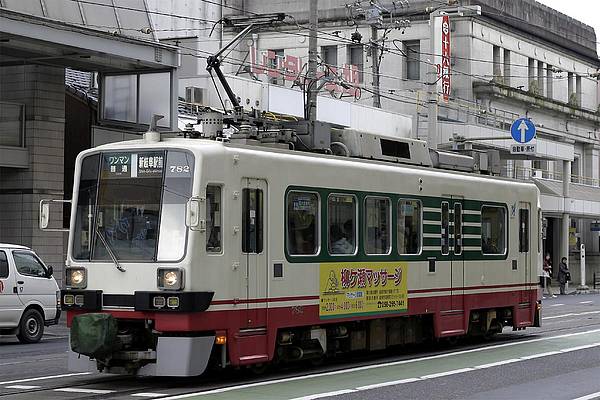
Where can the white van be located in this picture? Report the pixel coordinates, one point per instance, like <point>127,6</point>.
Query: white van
<point>29,295</point>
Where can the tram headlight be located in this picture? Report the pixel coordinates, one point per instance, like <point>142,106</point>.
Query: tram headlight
<point>76,278</point>
<point>170,278</point>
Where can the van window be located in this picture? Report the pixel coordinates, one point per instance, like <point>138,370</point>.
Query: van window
<point>3,265</point>
<point>302,223</point>
<point>28,264</point>
<point>341,218</point>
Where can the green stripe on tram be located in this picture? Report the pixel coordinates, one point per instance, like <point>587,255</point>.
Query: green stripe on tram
<point>432,228</point>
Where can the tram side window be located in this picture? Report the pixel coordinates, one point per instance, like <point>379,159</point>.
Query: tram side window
<point>523,230</point>
<point>445,229</point>
<point>457,228</point>
<point>409,226</point>
<point>377,225</point>
<point>213,219</point>
<point>302,223</point>
<point>493,230</point>
<point>341,218</point>
<point>252,221</point>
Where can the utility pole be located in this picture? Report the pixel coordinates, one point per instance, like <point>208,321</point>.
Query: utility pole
<point>312,65</point>
<point>375,66</point>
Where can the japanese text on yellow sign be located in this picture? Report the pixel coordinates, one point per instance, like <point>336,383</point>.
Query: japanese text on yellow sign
<point>357,288</point>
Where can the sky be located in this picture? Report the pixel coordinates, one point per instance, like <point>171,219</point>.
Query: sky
<point>586,11</point>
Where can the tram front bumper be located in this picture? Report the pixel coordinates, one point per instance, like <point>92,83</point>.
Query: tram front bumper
<point>174,356</point>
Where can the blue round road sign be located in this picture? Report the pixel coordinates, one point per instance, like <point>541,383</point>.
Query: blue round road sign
<point>522,130</point>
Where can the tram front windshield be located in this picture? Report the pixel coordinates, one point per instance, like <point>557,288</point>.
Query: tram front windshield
<point>126,200</point>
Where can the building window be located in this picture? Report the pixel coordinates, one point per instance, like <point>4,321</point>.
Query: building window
<point>276,76</point>
<point>578,90</point>
<point>303,223</point>
<point>329,57</point>
<point>540,77</point>
<point>549,82</point>
<point>356,59</point>
<point>507,67</point>
<point>496,62</point>
<point>531,79</point>
<point>12,124</point>
<point>413,60</point>
<point>213,219</point>
<point>377,225</point>
<point>493,230</point>
<point>409,226</point>
<point>341,218</point>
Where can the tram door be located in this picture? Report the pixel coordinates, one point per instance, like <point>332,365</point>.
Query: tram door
<point>254,251</point>
<point>457,258</point>
<point>524,261</point>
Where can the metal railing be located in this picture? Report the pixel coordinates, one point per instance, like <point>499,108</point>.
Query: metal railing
<point>526,173</point>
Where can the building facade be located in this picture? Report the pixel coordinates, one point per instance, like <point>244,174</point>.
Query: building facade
<point>514,60</point>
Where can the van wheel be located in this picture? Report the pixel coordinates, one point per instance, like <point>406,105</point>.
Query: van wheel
<point>31,327</point>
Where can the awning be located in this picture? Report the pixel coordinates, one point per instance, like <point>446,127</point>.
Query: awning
<point>583,200</point>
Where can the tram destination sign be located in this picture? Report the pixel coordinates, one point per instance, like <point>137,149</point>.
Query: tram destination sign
<point>133,165</point>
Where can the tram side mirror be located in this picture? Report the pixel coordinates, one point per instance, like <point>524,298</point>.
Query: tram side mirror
<point>44,215</point>
<point>51,215</point>
<point>50,271</point>
<point>193,214</point>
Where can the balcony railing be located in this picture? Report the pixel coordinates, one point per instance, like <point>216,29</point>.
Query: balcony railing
<point>12,124</point>
<point>527,173</point>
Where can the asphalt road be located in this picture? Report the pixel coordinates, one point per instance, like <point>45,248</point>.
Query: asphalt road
<point>561,360</point>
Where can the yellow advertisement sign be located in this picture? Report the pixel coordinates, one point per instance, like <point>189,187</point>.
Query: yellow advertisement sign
<point>362,288</point>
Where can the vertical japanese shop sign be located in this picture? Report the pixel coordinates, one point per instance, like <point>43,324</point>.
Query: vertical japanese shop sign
<point>357,288</point>
<point>445,70</point>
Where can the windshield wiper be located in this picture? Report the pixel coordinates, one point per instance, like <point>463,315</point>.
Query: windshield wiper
<point>109,250</point>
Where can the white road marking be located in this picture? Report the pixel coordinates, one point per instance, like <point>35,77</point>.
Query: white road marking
<point>586,346</point>
<point>326,394</point>
<point>571,315</point>
<point>586,302</point>
<point>382,365</point>
<point>390,383</point>
<point>557,305</point>
<point>446,373</point>
<point>83,390</point>
<point>540,355</point>
<point>23,387</point>
<point>589,396</point>
<point>148,394</point>
<point>497,363</point>
<point>41,378</point>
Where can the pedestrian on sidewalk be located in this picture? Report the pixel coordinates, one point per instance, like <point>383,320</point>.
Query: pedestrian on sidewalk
<point>546,278</point>
<point>563,274</point>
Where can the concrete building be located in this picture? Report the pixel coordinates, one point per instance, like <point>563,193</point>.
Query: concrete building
<point>38,40</point>
<point>516,59</point>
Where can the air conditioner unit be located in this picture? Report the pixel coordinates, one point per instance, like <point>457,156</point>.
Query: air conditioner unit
<point>194,95</point>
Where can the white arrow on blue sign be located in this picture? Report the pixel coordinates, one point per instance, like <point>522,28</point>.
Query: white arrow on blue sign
<point>522,130</point>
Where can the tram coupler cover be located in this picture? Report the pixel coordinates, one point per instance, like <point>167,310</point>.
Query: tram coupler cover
<point>94,335</point>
